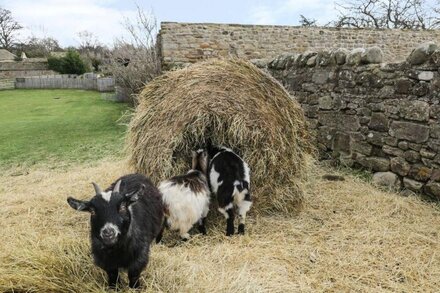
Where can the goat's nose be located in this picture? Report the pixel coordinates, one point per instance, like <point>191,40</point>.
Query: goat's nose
<point>108,233</point>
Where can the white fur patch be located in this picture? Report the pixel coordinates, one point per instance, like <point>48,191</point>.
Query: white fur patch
<point>185,206</point>
<point>247,173</point>
<point>213,179</point>
<point>106,195</point>
<point>111,227</point>
<point>224,213</point>
<point>225,209</point>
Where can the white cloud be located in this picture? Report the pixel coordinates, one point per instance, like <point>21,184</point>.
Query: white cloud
<point>288,12</point>
<point>64,19</point>
<point>263,15</point>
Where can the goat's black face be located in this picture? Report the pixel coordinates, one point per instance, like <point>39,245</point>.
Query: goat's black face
<point>110,215</point>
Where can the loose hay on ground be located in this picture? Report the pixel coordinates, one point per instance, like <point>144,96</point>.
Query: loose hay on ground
<point>350,236</point>
<point>226,102</point>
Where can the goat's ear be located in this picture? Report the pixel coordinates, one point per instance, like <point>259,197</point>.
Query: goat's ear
<point>79,205</point>
<point>134,196</point>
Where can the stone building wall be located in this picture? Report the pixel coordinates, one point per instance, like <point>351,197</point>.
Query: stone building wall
<point>15,69</point>
<point>182,43</point>
<point>382,117</point>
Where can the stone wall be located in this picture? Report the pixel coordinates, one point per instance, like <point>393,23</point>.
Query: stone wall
<point>7,84</point>
<point>382,117</point>
<point>182,43</point>
<point>31,67</point>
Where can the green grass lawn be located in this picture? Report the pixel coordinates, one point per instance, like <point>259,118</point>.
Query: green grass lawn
<point>58,126</point>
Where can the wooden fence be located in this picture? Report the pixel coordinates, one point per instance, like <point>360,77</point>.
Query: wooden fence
<point>66,81</point>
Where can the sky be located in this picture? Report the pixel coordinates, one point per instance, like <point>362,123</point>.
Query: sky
<point>63,19</point>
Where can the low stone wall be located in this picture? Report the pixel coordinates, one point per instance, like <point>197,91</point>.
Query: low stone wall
<point>382,117</point>
<point>24,68</point>
<point>7,84</point>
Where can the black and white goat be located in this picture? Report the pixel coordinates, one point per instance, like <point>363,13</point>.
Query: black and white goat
<point>186,197</point>
<point>229,179</point>
<point>125,219</point>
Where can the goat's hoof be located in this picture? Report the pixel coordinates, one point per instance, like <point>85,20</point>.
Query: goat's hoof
<point>241,229</point>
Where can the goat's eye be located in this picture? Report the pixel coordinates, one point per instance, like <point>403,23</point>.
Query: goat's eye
<point>123,208</point>
<point>92,212</point>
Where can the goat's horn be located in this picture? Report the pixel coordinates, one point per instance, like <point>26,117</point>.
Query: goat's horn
<point>117,186</point>
<point>97,188</point>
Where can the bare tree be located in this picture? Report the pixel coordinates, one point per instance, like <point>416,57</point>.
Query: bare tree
<point>307,22</point>
<point>91,49</point>
<point>135,60</point>
<point>406,14</point>
<point>8,28</point>
<point>38,47</point>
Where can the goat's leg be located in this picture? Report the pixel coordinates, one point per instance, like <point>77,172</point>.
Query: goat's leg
<point>135,268</point>
<point>160,235</point>
<point>243,208</point>
<point>202,226</point>
<point>112,278</point>
<point>184,232</point>
<point>228,212</point>
<point>202,221</point>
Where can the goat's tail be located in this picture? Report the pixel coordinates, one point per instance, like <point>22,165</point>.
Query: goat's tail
<point>241,185</point>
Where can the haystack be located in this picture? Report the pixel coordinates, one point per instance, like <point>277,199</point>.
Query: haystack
<point>225,102</point>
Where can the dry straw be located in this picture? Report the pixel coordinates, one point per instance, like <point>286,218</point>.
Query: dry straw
<point>226,102</point>
<point>349,237</point>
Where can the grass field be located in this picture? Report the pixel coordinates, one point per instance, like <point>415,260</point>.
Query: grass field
<point>59,126</point>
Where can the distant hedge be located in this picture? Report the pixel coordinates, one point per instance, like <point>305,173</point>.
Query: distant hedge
<point>72,63</point>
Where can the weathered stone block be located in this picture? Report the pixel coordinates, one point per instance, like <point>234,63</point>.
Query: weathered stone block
<point>435,176</point>
<point>427,153</point>
<point>311,62</point>
<point>414,146</point>
<point>372,55</point>
<point>422,53</point>
<point>378,122</point>
<point>420,173</point>
<point>435,111</point>
<point>400,166</point>
<point>433,188</point>
<point>412,156</point>
<point>409,131</point>
<point>412,184</point>
<point>388,140</point>
<point>340,55</point>
<point>376,138</point>
<point>434,144</point>
<point>387,179</point>
<point>392,151</point>
<point>361,147</point>
<point>374,163</point>
<point>341,142</point>
<point>355,56</point>
<point>339,121</point>
<point>414,110</point>
<point>435,130</point>
<point>325,103</point>
<point>320,77</point>
<point>403,145</point>
<point>326,135</point>
<point>403,86</point>
<point>425,75</point>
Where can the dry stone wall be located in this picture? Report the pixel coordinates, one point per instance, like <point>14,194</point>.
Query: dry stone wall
<point>379,116</point>
<point>15,69</point>
<point>182,43</point>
